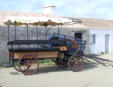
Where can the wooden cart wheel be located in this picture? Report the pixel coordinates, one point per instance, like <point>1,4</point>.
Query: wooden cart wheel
<point>62,64</point>
<point>28,64</point>
<point>76,63</point>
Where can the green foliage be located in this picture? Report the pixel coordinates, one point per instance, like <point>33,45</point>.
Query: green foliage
<point>1,66</point>
<point>9,22</point>
<point>46,23</point>
<point>102,53</point>
<point>46,62</point>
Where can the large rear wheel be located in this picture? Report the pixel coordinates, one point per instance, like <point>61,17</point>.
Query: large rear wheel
<point>28,64</point>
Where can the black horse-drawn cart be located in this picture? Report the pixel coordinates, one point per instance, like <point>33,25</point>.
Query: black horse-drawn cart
<point>62,49</point>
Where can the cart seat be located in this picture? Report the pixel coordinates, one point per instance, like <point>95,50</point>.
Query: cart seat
<point>33,49</point>
<point>28,42</point>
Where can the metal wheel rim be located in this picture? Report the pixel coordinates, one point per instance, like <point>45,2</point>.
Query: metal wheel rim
<point>62,64</point>
<point>77,64</point>
<point>28,65</point>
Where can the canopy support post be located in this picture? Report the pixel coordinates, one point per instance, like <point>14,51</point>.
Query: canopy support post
<point>27,31</point>
<point>15,30</point>
<point>58,32</point>
<point>59,27</point>
<point>47,32</point>
<point>8,31</point>
<point>37,32</point>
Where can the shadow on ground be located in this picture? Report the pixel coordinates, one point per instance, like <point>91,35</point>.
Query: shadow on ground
<point>87,66</point>
<point>49,69</point>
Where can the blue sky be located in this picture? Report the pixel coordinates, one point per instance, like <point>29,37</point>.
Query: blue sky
<point>99,9</point>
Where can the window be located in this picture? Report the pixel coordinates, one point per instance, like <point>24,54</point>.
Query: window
<point>93,39</point>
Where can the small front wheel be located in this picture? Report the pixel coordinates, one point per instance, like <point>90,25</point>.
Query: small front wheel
<point>76,63</point>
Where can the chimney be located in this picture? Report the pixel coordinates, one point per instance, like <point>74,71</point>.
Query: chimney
<point>49,9</point>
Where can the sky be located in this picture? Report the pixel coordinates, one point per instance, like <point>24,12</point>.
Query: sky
<point>99,9</point>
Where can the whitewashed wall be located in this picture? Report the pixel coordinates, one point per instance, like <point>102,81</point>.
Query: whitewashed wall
<point>99,46</point>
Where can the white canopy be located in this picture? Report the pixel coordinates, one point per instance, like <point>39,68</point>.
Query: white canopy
<point>27,19</point>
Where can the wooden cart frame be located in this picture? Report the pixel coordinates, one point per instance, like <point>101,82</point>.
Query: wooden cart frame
<point>64,51</point>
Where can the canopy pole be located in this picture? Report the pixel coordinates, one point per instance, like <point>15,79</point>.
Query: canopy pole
<point>47,33</point>
<point>59,27</point>
<point>8,31</point>
<point>27,31</point>
<point>15,30</point>
<point>37,32</point>
<point>58,32</point>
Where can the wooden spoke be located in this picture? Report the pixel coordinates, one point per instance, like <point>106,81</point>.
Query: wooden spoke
<point>28,64</point>
<point>62,62</point>
<point>76,63</point>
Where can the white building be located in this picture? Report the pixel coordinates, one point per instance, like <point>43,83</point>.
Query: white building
<point>101,40</point>
<point>98,33</point>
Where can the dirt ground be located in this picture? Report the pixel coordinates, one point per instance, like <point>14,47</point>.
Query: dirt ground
<point>91,76</point>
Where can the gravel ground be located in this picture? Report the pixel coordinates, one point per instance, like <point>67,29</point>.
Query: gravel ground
<point>51,76</point>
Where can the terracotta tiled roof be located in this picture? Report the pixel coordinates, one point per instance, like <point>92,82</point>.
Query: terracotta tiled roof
<point>94,23</point>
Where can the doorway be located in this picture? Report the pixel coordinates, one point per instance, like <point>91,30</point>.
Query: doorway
<point>78,36</point>
<point>107,43</point>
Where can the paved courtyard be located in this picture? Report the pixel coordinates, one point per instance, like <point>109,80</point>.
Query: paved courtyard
<point>92,76</point>
<point>51,76</point>
<point>107,56</point>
